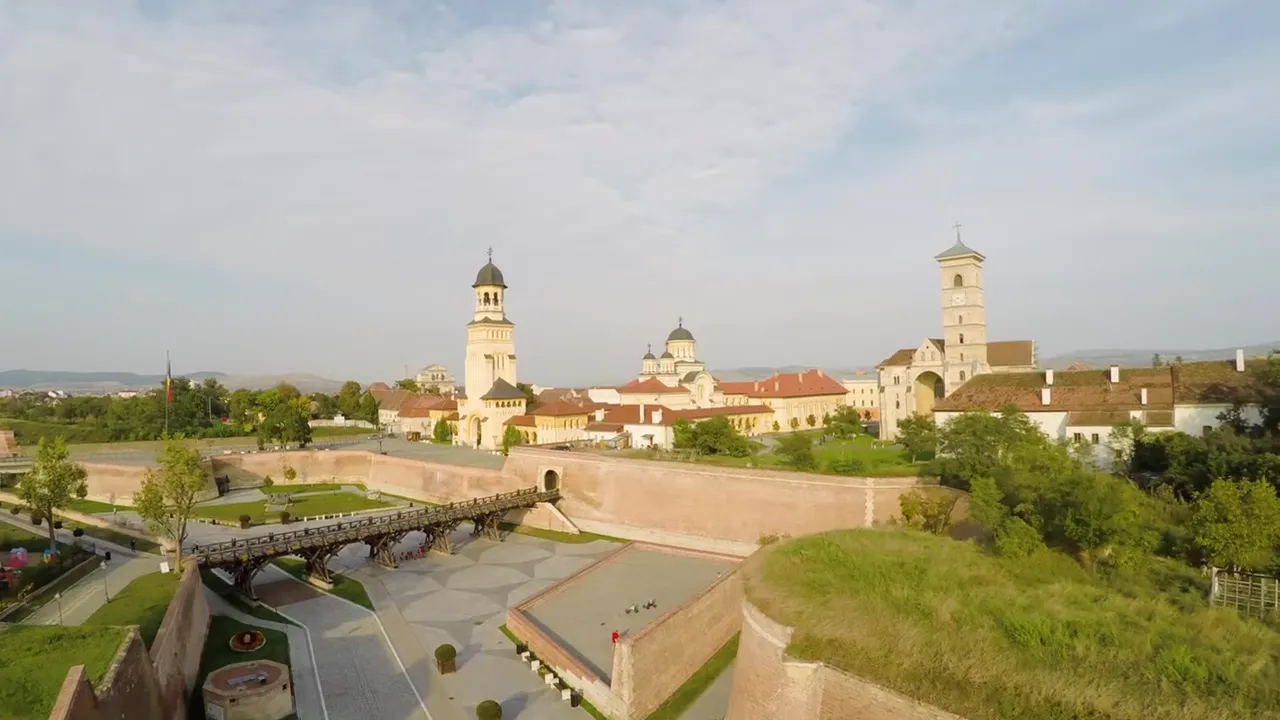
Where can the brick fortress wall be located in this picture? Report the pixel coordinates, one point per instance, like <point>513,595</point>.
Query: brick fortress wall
<point>142,686</point>
<point>769,684</point>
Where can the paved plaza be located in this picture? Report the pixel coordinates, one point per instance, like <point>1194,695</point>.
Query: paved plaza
<point>584,615</point>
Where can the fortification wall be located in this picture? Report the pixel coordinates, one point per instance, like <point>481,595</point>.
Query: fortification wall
<point>769,684</point>
<point>651,665</point>
<point>105,480</point>
<point>699,501</point>
<point>141,685</point>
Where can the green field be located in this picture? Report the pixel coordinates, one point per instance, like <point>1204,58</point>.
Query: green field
<point>307,488</point>
<point>1036,639</point>
<point>299,508</point>
<point>557,536</point>
<point>34,660</point>
<point>92,531</point>
<point>12,537</point>
<point>142,602</point>
<point>343,586</point>
<point>878,459</point>
<point>218,653</point>
<point>93,507</point>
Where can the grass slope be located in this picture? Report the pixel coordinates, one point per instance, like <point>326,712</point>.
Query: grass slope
<point>34,660</point>
<point>343,586</point>
<point>1034,639</point>
<point>218,653</point>
<point>886,461</point>
<point>142,602</point>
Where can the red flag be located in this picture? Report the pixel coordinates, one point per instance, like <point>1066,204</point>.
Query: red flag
<point>168,378</point>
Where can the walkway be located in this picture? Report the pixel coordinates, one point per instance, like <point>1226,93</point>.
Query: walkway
<point>306,688</point>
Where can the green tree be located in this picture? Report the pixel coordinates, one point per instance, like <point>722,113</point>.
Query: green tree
<point>1236,524</point>
<point>369,409</point>
<point>776,426</point>
<point>1156,360</point>
<point>432,390</point>
<point>511,437</point>
<point>52,482</point>
<point>531,397</point>
<point>797,451</point>
<point>794,423</point>
<point>349,399</point>
<point>442,433</point>
<point>928,510</point>
<point>407,384</point>
<point>1100,515</point>
<point>978,444</point>
<point>811,420</point>
<point>169,492</point>
<point>918,435</point>
<point>714,436</point>
<point>1121,442</point>
<point>682,434</point>
<point>845,422</point>
<point>986,504</point>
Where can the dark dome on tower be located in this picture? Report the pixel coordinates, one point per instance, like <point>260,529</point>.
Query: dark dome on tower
<point>489,275</point>
<point>680,333</point>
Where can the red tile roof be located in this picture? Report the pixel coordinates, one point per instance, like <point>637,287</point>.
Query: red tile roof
<point>521,421</point>
<point>379,386</point>
<point>901,357</point>
<point>603,427</point>
<point>630,414</point>
<point>723,410</point>
<point>806,383</point>
<point>562,408</point>
<point>423,405</point>
<point>650,385</point>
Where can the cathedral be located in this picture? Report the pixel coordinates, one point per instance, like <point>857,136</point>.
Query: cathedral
<point>913,379</point>
<point>491,396</point>
<point>680,369</point>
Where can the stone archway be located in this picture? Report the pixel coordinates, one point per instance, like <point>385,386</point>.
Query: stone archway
<point>474,429</point>
<point>550,481</point>
<point>928,389</point>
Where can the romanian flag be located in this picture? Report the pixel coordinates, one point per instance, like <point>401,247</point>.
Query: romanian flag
<point>168,378</point>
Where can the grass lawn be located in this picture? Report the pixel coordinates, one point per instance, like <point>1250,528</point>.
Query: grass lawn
<point>12,537</point>
<point>299,508</point>
<point>673,707</point>
<point>343,586</point>
<point>224,590</point>
<point>93,507</point>
<point>310,487</point>
<point>34,660</point>
<point>556,535</point>
<point>218,653</point>
<point>1036,639</point>
<point>64,581</point>
<point>878,460</point>
<point>113,536</point>
<point>142,602</point>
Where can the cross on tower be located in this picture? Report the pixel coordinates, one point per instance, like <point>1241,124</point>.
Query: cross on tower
<point>680,321</point>
<point>649,348</point>
<point>490,253</point>
<point>957,228</point>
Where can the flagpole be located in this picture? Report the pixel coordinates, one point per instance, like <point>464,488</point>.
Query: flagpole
<point>168,391</point>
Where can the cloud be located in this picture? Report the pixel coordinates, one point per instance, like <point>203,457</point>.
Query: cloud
<point>629,162</point>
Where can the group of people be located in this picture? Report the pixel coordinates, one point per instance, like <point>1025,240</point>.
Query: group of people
<point>633,610</point>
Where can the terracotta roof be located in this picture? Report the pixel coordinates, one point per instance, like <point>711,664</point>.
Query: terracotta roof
<point>1011,353</point>
<point>391,399</point>
<point>603,427</point>
<point>1158,418</point>
<point>503,390</point>
<point>1097,418</point>
<point>560,408</point>
<point>723,410</point>
<point>650,385</point>
<point>806,383</point>
<point>451,416</point>
<point>379,386</point>
<point>902,357</point>
<point>1202,383</point>
<point>424,405</point>
<point>521,421</point>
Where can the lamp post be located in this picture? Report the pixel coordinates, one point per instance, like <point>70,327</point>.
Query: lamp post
<point>58,597</point>
<point>106,593</point>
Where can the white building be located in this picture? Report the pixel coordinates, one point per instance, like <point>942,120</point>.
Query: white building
<point>490,380</point>
<point>435,376</point>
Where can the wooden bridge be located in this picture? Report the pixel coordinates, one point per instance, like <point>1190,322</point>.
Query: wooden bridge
<point>243,558</point>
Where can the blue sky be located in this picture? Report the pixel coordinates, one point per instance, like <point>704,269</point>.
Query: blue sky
<point>276,186</point>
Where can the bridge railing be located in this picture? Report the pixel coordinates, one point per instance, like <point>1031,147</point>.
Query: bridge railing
<point>353,530</point>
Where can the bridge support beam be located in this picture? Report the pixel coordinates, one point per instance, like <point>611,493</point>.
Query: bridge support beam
<point>487,525</point>
<point>383,549</point>
<point>242,575</point>
<point>317,559</point>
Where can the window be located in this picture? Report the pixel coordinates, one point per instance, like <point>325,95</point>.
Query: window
<point>897,380</point>
<point>486,298</point>
<point>897,405</point>
<point>1094,438</point>
<point>961,376</point>
<point>958,280</point>
<point>961,357</point>
<point>961,319</point>
<point>961,338</point>
<point>1078,437</point>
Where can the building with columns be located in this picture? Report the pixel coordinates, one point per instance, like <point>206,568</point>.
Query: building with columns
<point>913,379</point>
<point>491,396</point>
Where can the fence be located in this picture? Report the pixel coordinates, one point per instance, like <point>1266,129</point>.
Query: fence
<point>1249,594</point>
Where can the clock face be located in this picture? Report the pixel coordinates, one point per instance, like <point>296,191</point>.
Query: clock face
<point>957,299</point>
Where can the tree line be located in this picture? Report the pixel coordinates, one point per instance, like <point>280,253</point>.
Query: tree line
<point>198,410</point>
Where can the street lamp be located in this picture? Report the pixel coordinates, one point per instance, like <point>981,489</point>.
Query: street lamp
<point>105,592</point>
<point>58,597</point>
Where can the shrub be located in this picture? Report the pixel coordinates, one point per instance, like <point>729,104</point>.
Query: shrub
<point>78,532</point>
<point>847,466</point>
<point>267,483</point>
<point>928,510</point>
<point>446,652</point>
<point>1017,539</point>
<point>797,450</point>
<point>57,524</point>
<point>244,521</point>
<point>489,710</point>
<point>36,519</point>
<point>771,538</point>
<point>15,510</point>
<point>284,517</point>
<point>776,426</point>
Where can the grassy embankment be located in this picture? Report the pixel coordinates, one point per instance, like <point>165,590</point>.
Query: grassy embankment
<point>93,440</point>
<point>34,660</point>
<point>218,652</point>
<point>142,602</point>
<point>299,508</point>
<point>878,459</point>
<point>343,586</point>
<point>1036,639</point>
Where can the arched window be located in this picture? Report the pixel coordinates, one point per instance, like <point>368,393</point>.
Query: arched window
<point>961,318</point>
<point>897,405</point>
<point>496,298</point>
<point>961,357</point>
<point>961,376</point>
<point>961,338</point>
<point>486,298</point>
<point>958,281</point>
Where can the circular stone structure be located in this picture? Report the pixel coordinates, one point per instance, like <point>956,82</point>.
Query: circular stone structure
<point>255,690</point>
<point>247,641</point>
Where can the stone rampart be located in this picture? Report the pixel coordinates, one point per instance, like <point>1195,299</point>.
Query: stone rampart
<point>106,481</point>
<point>768,684</point>
<point>141,685</point>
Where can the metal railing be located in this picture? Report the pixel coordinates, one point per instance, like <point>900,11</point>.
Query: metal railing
<point>1248,593</point>
<point>357,530</point>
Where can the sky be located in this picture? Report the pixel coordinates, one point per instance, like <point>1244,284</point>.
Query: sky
<point>270,186</point>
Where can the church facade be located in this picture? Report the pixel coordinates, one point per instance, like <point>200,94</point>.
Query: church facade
<point>913,379</point>
<point>490,396</point>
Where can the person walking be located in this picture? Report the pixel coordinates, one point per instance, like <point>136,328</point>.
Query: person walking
<point>615,637</point>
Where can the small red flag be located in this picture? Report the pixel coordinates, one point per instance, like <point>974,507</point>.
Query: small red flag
<point>168,379</point>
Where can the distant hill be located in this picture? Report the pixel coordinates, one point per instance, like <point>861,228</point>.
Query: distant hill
<point>87,382</point>
<point>1142,358</point>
